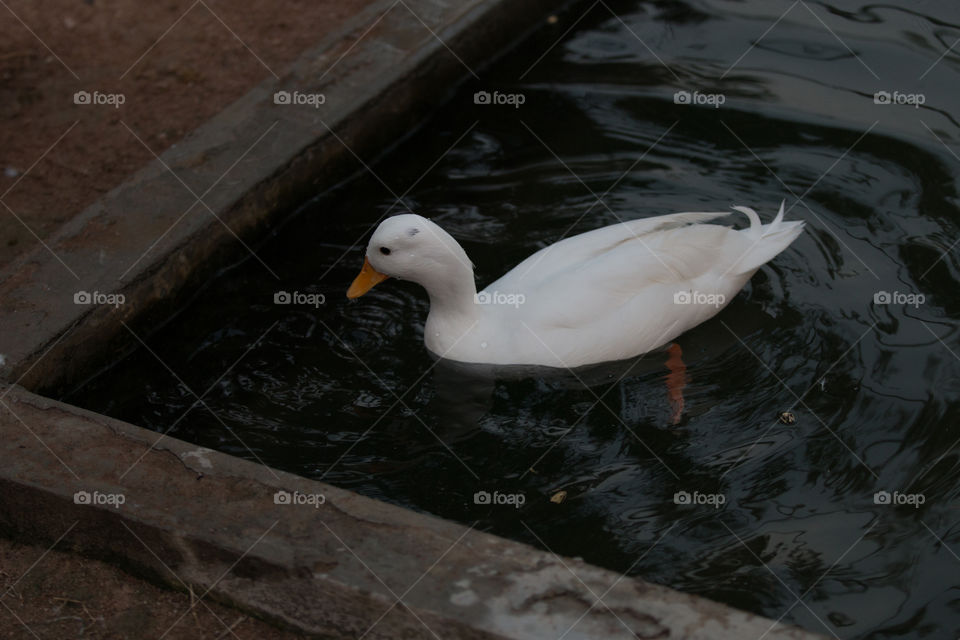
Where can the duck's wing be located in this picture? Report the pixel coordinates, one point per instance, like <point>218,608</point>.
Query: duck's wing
<point>570,253</point>
<point>622,301</point>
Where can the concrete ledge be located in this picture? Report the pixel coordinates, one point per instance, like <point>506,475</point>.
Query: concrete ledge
<point>151,240</point>
<point>196,517</point>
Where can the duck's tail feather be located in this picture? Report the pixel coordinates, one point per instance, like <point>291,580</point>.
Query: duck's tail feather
<point>767,240</point>
<point>755,224</point>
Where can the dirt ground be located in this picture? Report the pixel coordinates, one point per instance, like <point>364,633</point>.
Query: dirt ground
<point>68,596</point>
<point>175,62</point>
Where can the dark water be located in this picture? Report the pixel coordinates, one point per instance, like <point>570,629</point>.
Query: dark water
<point>346,392</point>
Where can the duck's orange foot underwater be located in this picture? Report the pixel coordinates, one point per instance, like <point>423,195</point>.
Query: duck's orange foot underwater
<point>676,380</point>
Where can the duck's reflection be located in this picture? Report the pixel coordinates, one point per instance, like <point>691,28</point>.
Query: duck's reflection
<point>464,391</point>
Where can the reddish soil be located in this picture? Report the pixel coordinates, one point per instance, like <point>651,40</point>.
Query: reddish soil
<point>176,63</point>
<point>68,596</point>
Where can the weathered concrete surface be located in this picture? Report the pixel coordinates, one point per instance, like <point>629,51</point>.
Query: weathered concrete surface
<point>151,239</point>
<point>196,517</point>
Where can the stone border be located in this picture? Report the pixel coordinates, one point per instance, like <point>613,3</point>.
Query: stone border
<point>195,517</point>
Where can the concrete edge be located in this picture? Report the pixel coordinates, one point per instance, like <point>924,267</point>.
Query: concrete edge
<point>333,569</point>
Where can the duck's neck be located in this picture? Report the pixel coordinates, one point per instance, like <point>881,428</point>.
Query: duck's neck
<point>453,307</point>
<point>453,293</point>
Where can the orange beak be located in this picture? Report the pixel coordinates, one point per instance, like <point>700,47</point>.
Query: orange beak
<point>368,279</point>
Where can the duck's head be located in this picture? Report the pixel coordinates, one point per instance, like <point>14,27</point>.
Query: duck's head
<point>410,247</point>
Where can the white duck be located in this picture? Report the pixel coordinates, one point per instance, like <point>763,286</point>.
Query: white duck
<point>608,294</point>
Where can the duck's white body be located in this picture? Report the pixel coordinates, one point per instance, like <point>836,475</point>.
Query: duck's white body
<point>608,294</point>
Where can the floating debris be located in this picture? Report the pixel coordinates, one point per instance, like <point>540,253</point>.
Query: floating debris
<point>558,497</point>
<point>786,417</point>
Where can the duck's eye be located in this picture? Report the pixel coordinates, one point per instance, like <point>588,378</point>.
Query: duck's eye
<point>385,251</point>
